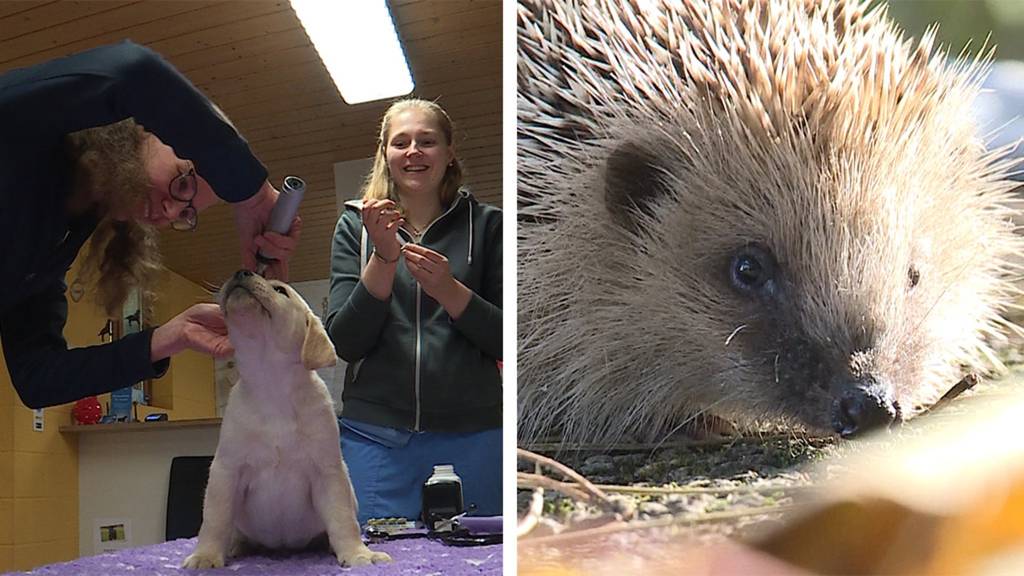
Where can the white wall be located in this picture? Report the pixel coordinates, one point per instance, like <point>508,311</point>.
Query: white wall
<point>124,475</point>
<point>315,293</point>
<point>348,179</point>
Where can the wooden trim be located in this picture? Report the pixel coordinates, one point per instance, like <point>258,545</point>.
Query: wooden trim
<point>141,426</point>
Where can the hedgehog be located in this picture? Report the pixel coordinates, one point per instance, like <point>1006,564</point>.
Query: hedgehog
<point>761,211</point>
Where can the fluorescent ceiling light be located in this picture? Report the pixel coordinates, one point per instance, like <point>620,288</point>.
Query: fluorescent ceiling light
<point>359,46</point>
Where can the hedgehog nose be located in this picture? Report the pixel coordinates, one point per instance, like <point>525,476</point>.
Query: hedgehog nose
<point>863,408</point>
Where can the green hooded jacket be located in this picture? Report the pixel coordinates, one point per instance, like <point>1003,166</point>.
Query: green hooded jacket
<point>410,366</point>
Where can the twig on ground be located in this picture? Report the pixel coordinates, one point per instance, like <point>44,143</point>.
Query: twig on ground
<point>617,489</point>
<point>570,489</point>
<point>584,484</point>
<point>618,526</point>
<point>532,517</point>
<point>650,447</point>
<point>966,383</point>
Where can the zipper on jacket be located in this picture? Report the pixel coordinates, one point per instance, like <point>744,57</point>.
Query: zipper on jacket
<point>419,298</point>
<point>423,234</point>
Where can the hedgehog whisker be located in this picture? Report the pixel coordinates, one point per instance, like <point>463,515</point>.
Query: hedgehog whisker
<point>734,333</point>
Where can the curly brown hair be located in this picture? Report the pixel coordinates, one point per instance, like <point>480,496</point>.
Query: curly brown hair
<point>109,167</point>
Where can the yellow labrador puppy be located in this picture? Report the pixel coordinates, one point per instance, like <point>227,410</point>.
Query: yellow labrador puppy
<point>277,479</point>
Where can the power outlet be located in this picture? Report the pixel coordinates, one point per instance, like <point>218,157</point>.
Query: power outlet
<point>37,420</point>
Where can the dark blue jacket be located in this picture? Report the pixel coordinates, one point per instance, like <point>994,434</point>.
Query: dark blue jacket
<point>39,240</point>
<point>410,365</point>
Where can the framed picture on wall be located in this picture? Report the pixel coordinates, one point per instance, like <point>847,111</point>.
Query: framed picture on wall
<point>110,534</point>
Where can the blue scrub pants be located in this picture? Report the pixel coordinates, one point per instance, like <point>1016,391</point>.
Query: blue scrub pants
<point>388,468</point>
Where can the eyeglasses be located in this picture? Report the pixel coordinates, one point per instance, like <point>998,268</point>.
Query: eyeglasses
<point>183,188</point>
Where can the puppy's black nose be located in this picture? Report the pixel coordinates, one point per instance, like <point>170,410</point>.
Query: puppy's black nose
<point>242,274</point>
<point>862,409</point>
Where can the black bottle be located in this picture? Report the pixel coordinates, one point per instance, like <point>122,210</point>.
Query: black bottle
<point>442,496</point>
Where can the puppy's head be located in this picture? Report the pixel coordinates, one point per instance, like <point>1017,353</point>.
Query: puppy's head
<point>268,319</point>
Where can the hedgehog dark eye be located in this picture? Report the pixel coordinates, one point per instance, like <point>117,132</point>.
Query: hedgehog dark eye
<point>752,270</point>
<point>913,276</point>
<point>749,271</point>
<point>281,290</point>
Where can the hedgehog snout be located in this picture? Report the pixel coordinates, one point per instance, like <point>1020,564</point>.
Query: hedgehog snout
<point>864,406</point>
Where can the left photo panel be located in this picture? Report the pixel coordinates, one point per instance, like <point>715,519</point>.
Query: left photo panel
<point>252,287</point>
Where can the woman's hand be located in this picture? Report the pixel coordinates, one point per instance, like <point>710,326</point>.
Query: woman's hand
<point>381,220</point>
<point>251,217</point>
<point>431,270</point>
<point>200,328</point>
<point>280,247</point>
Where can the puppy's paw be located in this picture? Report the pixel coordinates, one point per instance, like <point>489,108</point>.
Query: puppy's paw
<point>204,560</point>
<point>379,557</point>
<point>362,556</point>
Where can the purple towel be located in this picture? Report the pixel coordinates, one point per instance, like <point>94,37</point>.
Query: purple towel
<point>409,557</point>
<point>481,524</point>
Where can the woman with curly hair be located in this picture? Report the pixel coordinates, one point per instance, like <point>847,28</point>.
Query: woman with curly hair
<point>109,145</point>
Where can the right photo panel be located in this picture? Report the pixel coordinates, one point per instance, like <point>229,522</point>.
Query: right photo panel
<point>769,287</point>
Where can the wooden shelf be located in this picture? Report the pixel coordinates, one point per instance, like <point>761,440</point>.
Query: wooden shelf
<point>141,426</point>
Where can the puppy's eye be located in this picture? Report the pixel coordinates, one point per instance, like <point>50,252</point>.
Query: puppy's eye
<point>281,290</point>
<point>752,271</point>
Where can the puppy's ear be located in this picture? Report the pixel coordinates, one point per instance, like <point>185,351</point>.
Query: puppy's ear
<point>317,349</point>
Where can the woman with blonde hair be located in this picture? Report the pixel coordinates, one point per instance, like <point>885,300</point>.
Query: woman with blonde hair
<point>415,310</point>
<point>106,146</point>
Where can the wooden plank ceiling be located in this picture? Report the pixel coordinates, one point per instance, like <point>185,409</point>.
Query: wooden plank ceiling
<point>253,58</point>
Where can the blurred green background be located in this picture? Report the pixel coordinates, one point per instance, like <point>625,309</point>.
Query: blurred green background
<point>961,21</point>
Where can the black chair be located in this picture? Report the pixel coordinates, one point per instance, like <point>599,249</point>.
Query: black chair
<point>185,496</point>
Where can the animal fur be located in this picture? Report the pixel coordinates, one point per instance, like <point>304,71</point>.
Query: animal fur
<point>658,139</point>
<point>277,480</point>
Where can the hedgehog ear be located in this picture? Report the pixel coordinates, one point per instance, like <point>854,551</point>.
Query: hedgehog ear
<point>633,183</point>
